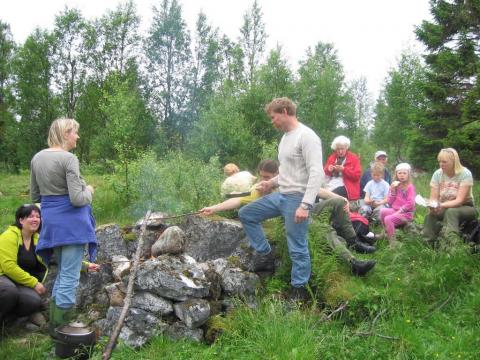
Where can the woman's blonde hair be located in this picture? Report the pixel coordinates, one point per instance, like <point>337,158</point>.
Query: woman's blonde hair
<point>230,169</point>
<point>452,155</point>
<point>58,129</point>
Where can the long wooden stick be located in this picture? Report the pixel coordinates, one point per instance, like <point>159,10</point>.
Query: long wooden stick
<point>128,298</point>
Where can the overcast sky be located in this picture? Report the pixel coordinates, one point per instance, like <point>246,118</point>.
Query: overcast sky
<point>369,35</point>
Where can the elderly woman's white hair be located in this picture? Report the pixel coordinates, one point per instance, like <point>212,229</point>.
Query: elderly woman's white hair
<point>340,140</point>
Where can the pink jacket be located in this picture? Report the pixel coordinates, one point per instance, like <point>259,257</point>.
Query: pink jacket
<point>403,200</point>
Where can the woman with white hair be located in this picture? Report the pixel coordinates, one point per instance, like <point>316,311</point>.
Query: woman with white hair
<point>343,169</point>
<point>67,220</point>
<point>451,192</point>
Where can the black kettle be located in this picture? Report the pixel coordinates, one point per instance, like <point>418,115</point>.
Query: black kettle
<point>74,339</point>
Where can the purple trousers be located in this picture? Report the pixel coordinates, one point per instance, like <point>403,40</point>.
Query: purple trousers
<point>392,219</point>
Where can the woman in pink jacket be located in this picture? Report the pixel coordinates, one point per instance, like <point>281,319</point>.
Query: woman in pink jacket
<point>401,199</point>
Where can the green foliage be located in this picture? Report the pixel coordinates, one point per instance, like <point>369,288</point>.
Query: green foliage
<point>323,102</point>
<point>452,80</point>
<point>400,111</point>
<point>175,184</point>
<point>168,53</point>
<point>223,131</point>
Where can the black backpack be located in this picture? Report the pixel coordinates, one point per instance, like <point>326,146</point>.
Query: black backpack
<point>471,234</point>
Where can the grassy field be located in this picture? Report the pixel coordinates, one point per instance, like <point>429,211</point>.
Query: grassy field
<point>417,304</point>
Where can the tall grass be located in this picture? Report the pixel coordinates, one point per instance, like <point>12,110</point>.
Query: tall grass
<point>417,303</point>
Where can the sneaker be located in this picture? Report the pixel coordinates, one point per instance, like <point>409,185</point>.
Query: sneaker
<point>299,294</point>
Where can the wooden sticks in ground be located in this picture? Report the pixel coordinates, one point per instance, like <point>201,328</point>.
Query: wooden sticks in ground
<point>128,298</point>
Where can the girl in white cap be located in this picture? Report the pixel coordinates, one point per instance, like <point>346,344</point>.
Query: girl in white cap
<point>401,198</point>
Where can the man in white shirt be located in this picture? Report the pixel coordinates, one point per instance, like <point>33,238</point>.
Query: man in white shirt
<point>300,176</point>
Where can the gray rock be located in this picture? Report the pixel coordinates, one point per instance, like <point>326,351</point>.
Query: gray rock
<point>115,295</point>
<point>120,267</point>
<point>215,282</point>
<point>179,330</point>
<point>171,241</point>
<point>208,240</point>
<point>149,238</point>
<point>250,260</point>
<point>172,277</point>
<point>91,285</point>
<point>152,303</point>
<point>110,242</point>
<point>236,282</point>
<point>193,312</point>
<point>139,326</point>
<point>219,265</point>
<point>154,221</point>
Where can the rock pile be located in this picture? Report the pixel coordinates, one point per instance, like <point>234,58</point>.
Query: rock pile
<point>188,274</point>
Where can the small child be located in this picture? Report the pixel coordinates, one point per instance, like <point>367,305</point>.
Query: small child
<point>230,169</point>
<point>401,199</point>
<point>376,193</point>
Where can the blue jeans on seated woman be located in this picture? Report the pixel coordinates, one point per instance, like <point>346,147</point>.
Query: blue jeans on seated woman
<point>69,260</point>
<point>285,205</point>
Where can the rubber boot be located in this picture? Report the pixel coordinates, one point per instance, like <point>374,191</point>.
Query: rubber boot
<point>363,248</point>
<point>361,267</point>
<point>58,318</point>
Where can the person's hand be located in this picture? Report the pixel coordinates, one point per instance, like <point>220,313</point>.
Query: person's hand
<point>39,288</point>
<point>91,189</point>
<point>207,211</point>
<point>437,210</point>
<point>339,168</point>
<point>394,185</point>
<point>264,186</point>
<point>92,267</point>
<point>301,215</point>
<point>346,207</point>
<point>331,168</point>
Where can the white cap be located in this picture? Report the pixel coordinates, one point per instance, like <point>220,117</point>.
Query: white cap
<point>380,153</point>
<point>403,166</point>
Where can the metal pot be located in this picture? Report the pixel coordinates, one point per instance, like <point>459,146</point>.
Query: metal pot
<point>74,339</point>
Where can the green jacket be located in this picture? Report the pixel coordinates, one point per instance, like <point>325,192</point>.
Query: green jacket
<point>10,242</point>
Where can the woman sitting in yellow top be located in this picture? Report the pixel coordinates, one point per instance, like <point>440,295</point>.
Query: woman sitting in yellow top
<point>267,169</point>
<point>22,272</point>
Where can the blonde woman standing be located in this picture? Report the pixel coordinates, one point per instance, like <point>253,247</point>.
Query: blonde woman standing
<point>67,220</point>
<point>451,189</point>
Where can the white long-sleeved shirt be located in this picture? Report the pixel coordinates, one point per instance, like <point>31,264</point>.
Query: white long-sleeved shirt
<point>301,168</point>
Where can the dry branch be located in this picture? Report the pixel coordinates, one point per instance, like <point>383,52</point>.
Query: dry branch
<point>128,298</point>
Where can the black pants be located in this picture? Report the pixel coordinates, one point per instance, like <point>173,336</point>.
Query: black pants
<point>17,300</point>
<point>342,191</point>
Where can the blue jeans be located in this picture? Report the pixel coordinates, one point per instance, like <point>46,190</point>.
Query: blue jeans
<point>69,260</point>
<point>271,206</point>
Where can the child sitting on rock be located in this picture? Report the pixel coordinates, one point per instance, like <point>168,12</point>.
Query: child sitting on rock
<point>376,193</point>
<point>401,198</point>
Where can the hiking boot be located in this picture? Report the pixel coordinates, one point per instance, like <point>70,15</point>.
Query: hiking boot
<point>363,248</point>
<point>37,318</point>
<point>299,294</point>
<point>361,267</point>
